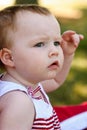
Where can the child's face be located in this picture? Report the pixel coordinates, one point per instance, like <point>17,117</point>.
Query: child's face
<point>36,52</point>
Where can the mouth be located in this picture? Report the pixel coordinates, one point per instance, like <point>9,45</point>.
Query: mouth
<point>54,65</point>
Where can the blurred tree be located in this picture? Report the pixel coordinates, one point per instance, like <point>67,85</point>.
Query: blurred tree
<point>26,1</point>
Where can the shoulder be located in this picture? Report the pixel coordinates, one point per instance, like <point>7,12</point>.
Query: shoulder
<point>18,106</point>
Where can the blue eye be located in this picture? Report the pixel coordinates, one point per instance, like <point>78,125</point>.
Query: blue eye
<point>40,44</point>
<point>56,43</point>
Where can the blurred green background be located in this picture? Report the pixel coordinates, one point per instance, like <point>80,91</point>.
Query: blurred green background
<point>72,16</point>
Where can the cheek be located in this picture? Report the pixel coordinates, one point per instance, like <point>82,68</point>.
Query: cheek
<point>37,58</point>
<point>28,60</point>
<point>61,57</point>
<point>20,59</point>
<point>34,61</point>
<point>37,62</point>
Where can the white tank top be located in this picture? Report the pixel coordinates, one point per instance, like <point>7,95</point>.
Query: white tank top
<point>46,118</point>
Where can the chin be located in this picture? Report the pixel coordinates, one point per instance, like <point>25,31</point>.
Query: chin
<point>52,75</point>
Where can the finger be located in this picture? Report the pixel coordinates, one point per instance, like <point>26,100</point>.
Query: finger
<point>67,35</point>
<point>69,32</point>
<point>76,39</point>
<point>81,36</point>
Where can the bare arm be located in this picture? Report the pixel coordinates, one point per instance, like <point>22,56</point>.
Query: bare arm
<point>69,44</point>
<point>17,112</point>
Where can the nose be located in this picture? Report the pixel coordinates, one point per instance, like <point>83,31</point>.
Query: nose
<point>53,51</point>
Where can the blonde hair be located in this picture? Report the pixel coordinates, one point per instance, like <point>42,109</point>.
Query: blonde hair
<point>8,18</point>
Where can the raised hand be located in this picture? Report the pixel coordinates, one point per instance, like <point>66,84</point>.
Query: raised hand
<point>70,41</point>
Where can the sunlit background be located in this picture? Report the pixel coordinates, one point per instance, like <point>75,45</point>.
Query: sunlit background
<point>62,8</point>
<point>71,9</point>
<point>5,3</point>
<point>72,14</point>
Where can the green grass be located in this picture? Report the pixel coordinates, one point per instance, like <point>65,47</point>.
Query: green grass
<point>74,89</point>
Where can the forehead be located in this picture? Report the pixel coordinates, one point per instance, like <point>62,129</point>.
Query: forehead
<point>29,20</point>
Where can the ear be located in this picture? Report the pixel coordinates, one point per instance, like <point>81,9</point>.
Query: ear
<point>6,57</point>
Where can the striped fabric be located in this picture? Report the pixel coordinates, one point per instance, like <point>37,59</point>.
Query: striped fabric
<point>51,123</point>
<point>47,120</point>
<point>45,117</point>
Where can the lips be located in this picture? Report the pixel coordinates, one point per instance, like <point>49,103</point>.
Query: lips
<point>54,65</point>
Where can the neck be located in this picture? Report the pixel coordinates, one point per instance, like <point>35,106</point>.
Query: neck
<point>9,77</point>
